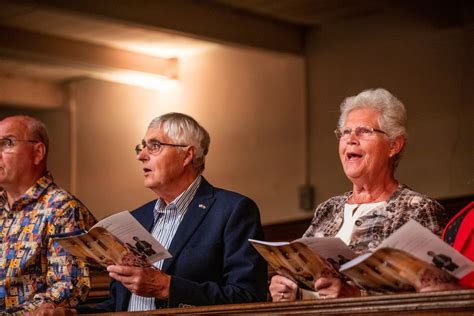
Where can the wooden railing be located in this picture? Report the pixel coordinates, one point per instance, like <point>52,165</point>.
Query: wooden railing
<point>436,303</point>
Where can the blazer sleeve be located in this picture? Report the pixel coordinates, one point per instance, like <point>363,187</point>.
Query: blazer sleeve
<point>244,272</point>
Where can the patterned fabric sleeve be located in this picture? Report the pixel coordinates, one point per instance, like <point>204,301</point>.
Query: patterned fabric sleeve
<point>328,217</point>
<point>410,204</point>
<point>67,278</point>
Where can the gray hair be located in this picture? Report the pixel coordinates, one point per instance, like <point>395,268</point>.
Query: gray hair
<point>392,118</point>
<point>183,129</point>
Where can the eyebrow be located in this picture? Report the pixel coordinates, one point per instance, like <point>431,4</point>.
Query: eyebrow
<point>151,140</point>
<point>8,136</point>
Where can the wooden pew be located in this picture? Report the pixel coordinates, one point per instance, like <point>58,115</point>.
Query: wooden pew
<point>436,303</point>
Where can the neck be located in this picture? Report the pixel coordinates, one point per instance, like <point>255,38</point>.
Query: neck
<point>373,192</point>
<point>172,191</point>
<point>15,191</point>
<point>14,194</point>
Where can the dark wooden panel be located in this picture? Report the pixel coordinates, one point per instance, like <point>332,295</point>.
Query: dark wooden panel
<point>438,303</point>
<point>454,205</point>
<point>286,231</point>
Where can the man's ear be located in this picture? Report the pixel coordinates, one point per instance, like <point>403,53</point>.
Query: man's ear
<point>39,153</point>
<point>396,145</point>
<point>189,153</point>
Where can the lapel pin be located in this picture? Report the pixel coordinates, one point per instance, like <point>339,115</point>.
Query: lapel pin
<point>202,206</point>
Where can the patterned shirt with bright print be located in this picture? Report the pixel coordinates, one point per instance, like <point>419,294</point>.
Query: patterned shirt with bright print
<point>33,268</point>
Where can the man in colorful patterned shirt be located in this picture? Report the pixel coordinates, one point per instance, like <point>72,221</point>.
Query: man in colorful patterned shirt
<point>35,273</point>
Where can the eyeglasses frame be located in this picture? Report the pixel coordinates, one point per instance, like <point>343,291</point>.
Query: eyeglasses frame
<point>339,134</point>
<point>13,140</point>
<point>140,147</point>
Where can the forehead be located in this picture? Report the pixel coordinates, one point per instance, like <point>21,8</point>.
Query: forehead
<point>156,133</point>
<point>13,127</point>
<point>363,117</point>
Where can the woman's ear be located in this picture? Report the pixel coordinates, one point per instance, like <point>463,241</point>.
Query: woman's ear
<point>396,145</point>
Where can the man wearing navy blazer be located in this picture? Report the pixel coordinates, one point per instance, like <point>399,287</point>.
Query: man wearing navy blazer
<point>206,229</point>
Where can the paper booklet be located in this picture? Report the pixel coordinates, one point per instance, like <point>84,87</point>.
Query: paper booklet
<point>412,257</point>
<point>305,260</point>
<point>117,239</point>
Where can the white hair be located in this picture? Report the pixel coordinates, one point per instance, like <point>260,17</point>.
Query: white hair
<point>392,118</point>
<point>185,130</point>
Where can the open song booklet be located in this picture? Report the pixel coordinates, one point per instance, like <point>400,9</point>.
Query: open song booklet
<point>117,239</point>
<point>411,258</point>
<point>305,260</point>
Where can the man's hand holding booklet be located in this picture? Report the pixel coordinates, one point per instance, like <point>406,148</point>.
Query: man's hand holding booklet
<point>411,258</point>
<point>118,239</point>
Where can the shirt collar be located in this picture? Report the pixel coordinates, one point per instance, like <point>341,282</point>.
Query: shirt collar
<point>180,203</point>
<point>33,192</point>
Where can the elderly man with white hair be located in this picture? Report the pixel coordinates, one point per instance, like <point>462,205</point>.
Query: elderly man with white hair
<point>206,229</point>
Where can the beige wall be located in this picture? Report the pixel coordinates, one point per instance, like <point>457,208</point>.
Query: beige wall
<point>252,104</point>
<point>430,69</point>
<point>57,122</point>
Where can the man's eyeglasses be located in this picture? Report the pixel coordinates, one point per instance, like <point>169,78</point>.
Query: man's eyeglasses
<point>360,131</point>
<point>8,144</point>
<point>154,146</point>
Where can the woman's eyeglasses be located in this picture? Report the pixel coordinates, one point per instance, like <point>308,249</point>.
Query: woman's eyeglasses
<point>360,132</point>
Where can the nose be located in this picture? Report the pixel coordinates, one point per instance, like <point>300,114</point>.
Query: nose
<point>352,138</point>
<point>143,155</point>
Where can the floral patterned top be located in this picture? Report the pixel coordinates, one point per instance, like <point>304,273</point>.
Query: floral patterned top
<point>33,268</point>
<point>372,228</point>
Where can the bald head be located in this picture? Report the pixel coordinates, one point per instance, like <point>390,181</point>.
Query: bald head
<point>31,128</point>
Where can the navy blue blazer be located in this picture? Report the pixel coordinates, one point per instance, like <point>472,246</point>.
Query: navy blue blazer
<point>213,262</point>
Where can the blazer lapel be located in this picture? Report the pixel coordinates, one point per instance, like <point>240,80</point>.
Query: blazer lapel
<point>145,216</point>
<point>197,210</point>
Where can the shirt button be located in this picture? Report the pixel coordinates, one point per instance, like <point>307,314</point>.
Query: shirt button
<point>358,222</point>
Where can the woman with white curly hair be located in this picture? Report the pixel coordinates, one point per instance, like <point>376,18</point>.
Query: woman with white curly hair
<point>372,135</point>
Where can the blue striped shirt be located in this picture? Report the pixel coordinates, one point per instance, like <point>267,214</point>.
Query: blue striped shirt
<point>167,219</point>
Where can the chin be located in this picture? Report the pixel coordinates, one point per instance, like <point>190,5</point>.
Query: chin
<point>351,174</point>
<point>147,183</point>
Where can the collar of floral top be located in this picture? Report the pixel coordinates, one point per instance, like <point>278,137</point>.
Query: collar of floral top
<point>33,193</point>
